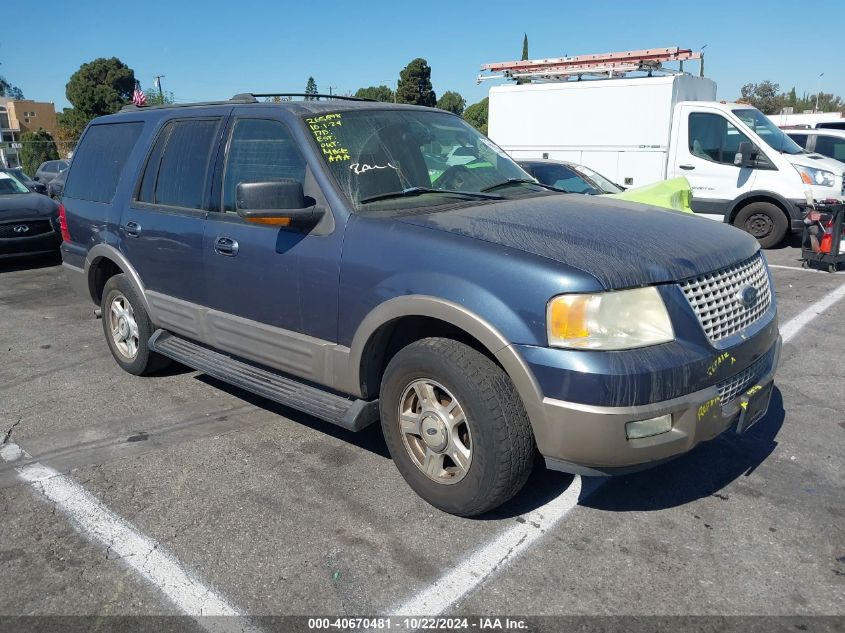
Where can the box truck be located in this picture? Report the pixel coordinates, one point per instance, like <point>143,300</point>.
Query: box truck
<point>637,130</point>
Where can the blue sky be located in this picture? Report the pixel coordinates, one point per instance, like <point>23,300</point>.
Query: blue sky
<point>214,49</point>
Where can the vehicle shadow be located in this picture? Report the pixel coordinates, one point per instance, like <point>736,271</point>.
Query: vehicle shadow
<point>703,472</point>
<point>30,262</point>
<point>369,439</point>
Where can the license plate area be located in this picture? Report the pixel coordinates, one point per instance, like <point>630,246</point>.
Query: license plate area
<point>753,405</point>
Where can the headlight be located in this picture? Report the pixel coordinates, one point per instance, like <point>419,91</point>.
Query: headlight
<point>818,177</point>
<point>608,321</point>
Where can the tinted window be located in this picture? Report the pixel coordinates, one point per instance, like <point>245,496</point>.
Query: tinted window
<point>260,150</point>
<point>180,170</point>
<point>713,138</point>
<point>832,146</point>
<point>833,125</point>
<point>801,139</point>
<point>99,160</point>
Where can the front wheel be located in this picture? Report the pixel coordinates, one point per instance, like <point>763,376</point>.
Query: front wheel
<point>455,426</point>
<point>765,221</point>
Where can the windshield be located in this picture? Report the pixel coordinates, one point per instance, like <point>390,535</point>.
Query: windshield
<point>20,173</point>
<point>10,184</point>
<point>603,183</point>
<point>433,155</point>
<point>768,131</point>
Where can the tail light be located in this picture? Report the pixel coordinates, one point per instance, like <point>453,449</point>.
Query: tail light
<point>63,224</point>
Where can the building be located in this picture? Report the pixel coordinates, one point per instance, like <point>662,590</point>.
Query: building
<point>22,115</point>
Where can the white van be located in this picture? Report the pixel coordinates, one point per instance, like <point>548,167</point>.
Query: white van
<point>742,168</point>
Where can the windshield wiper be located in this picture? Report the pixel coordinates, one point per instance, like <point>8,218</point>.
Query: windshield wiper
<point>523,181</point>
<point>415,191</point>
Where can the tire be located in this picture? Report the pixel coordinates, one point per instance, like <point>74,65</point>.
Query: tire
<point>763,220</point>
<point>488,418</point>
<point>128,341</point>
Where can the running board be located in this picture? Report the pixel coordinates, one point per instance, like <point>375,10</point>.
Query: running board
<point>350,413</point>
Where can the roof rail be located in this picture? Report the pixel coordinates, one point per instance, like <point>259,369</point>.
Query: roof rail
<point>243,97</point>
<point>253,95</point>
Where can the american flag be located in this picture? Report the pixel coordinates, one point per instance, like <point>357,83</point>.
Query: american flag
<point>138,97</point>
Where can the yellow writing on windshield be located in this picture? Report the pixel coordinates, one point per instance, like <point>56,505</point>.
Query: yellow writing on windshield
<point>322,128</point>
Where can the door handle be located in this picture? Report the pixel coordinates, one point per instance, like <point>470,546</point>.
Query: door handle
<point>226,246</point>
<point>687,166</point>
<point>132,229</point>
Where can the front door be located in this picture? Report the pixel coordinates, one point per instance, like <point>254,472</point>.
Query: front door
<point>704,154</point>
<point>272,292</point>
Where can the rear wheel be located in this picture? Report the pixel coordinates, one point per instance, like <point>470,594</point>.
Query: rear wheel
<point>128,329</point>
<point>763,220</point>
<point>455,426</point>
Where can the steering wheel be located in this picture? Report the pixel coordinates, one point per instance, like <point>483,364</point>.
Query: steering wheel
<point>456,177</point>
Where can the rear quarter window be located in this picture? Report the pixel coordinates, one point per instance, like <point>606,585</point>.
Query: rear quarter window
<point>99,160</point>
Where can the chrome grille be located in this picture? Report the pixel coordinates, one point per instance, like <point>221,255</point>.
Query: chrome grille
<point>729,389</point>
<point>714,297</point>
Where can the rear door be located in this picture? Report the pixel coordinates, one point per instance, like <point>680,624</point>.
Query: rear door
<point>704,154</point>
<point>161,230</point>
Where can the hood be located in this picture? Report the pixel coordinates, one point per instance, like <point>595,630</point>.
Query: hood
<point>27,205</point>
<point>622,244</point>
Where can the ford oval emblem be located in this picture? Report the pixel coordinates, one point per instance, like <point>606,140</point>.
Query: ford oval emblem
<point>431,431</point>
<point>20,228</point>
<point>747,295</point>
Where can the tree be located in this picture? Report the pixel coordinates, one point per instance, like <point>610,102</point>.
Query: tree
<point>476,115</point>
<point>36,148</point>
<point>375,93</point>
<point>415,84</point>
<point>8,90</point>
<point>451,101</point>
<point>311,89</point>
<point>101,87</point>
<point>764,96</point>
<point>524,80</point>
<point>155,97</point>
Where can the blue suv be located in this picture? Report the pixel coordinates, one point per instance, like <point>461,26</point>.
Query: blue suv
<point>364,261</point>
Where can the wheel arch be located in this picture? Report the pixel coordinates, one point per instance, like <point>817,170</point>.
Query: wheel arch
<point>414,317</point>
<point>102,263</point>
<point>761,196</point>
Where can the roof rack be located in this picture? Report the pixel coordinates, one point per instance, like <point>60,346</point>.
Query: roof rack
<point>601,65</point>
<point>244,97</point>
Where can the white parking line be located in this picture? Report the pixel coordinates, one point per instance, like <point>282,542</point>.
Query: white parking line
<point>796,323</point>
<point>806,270</point>
<point>139,552</point>
<point>457,583</point>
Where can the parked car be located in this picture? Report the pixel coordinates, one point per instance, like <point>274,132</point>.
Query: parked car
<point>19,173</point>
<point>827,142</point>
<point>56,186</point>
<point>28,220</point>
<point>49,170</point>
<point>569,177</point>
<point>301,251</point>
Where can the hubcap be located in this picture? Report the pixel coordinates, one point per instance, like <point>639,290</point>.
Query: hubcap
<point>435,431</point>
<point>759,225</point>
<point>124,329</point>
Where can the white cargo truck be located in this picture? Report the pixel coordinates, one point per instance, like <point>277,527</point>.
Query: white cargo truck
<point>638,130</point>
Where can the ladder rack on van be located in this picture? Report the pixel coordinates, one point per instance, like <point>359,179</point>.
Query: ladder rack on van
<point>600,65</point>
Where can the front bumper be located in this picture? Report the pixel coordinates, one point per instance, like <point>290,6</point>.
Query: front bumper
<point>591,440</point>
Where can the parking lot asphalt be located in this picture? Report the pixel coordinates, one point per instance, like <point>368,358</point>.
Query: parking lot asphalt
<point>282,514</point>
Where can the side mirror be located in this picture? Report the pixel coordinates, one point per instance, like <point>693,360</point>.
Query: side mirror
<point>275,202</point>
<point>746,155</point>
